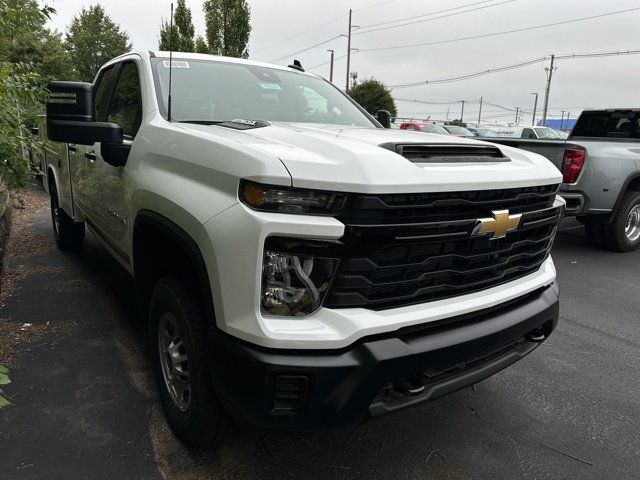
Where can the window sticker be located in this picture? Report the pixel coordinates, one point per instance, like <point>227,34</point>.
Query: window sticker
<point>176,64</point>
<point>269,86</point>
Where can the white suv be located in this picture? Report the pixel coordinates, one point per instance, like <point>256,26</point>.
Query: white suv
<point>300,265</point>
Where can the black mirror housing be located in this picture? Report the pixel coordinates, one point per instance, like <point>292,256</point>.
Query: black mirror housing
<point>384,117</point>
<point>70,116</point>
<point>115,154</point>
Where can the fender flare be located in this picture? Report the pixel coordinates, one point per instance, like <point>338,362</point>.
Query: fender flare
<point>184,240</point>
<point>625,188</point>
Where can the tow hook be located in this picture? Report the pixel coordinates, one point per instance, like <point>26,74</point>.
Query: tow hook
<point>411,387</point>
<point>535,336</point>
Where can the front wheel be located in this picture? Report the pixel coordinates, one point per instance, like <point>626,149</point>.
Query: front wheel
<point>177,339</point>
<point>69,235</point>
<point>623,233</point>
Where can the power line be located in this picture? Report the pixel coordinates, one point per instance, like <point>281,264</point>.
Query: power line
<point>495,34</point>
<point>300,34</point>
<point>360,32</point>
<point>515,66</point>
<point>324,24</point>
<point>413,17</point>
<point>289,55</point>
<point>325,63</point>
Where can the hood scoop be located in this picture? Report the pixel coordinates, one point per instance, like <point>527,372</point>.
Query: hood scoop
<point>443,153</point>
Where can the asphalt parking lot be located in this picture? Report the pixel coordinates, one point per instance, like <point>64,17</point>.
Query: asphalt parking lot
<point>85,406</point>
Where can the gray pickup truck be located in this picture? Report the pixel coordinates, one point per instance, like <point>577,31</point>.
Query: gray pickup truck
<point>600,164</point>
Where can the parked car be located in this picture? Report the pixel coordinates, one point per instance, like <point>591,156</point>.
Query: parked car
<point>538,133</point>
<point>600,162</point>
<point>299,266</point>
<point>424,127</point>
<point>482,131</point>
<point>458,131</point>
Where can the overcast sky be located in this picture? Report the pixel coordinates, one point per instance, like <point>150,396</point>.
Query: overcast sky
<point>283,27</point>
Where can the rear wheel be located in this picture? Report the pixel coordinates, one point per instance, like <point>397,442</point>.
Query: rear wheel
<point>623,233</point>
<point>69,235</point>
<point>177,338</point>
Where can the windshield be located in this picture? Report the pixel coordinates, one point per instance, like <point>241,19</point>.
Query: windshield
<point>461,131</point>
<point>434,129</point>
<point>213,91</point>
<point>487,132</point>
<point>547,133</point>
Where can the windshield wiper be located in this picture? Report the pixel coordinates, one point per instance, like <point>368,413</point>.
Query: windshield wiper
<point>204,122</point>
<point>236,123</point>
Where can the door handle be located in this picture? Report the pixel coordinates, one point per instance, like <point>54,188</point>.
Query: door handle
<point>71,148</point>
<point>90,156</point>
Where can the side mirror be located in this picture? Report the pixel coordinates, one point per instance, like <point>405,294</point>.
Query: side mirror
<point>384,117</point>
<point>70,116</point>
<point>115,154</point>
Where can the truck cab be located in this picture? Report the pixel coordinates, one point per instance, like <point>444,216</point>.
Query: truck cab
<point>299,265</point>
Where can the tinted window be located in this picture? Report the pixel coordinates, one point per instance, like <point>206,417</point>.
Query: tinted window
<point>125,107</point>
<point>528,133</point>
<point>209,91</point>
<point>101,90</point>
<point>608,124</point>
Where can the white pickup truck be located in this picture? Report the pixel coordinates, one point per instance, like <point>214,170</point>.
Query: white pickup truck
<point>299,265</point>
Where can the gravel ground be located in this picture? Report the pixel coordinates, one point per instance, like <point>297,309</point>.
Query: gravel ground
<point>85,405</point>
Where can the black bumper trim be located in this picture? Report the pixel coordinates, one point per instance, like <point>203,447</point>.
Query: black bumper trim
<point>345,385</point>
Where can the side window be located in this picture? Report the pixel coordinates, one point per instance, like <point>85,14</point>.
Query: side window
<point>125,107</point>
<point>527,133</point>
<point>101,91</point>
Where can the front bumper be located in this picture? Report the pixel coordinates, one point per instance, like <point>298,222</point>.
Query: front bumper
<point>331,388</point>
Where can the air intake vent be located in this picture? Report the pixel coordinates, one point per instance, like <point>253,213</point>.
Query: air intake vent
<point>448,153</point>
<point>290,393</point>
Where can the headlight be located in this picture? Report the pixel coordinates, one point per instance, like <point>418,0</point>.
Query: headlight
<point>294,285</point>
<point>299,201</point>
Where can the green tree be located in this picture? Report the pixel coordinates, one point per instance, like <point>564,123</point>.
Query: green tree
<point>373,95</point>
<point>201,45</point>
<point>22,91</point>
<point>456,122</point>
<point>228,27</point>
<point>183,31</point>
<point>36,45</point>
<point>93,39</point>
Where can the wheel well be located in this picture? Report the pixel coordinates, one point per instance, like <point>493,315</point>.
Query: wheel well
<point>634,185</point>
<point>160,250</point>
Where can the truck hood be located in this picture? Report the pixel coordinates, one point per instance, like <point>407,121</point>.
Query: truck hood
<point>351,159</point>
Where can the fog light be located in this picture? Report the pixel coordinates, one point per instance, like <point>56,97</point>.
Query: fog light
<point>294,285</point>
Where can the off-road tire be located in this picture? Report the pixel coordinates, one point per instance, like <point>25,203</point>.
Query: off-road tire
<point>69,235</point>
<point>204,422</point>
<point>614,232</point>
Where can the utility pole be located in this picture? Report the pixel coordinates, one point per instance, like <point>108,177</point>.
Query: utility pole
<point>550,71</point>
<point>535,109</point>
<point>480,112</point>
<point>517,112</point>
<point>462,113</point>
<point>331,68</point>
<point>348,52</point>
<point>447,116</point>
<point>562,120</point>
<point>568,115</point>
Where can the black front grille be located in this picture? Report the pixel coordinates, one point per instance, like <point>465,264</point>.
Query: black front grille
<point>412,248</point>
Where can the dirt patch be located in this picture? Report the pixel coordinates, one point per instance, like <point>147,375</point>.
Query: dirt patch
<point>25,203</point>
<point>19,337</point>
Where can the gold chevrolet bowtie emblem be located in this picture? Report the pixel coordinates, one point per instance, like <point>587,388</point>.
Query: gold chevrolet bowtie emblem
<point>498,226</point>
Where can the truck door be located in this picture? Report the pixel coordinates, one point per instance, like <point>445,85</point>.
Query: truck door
<point>85,183</point>
<point>108,193</point>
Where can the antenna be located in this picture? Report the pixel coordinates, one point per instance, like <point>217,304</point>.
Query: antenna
<point>170,63</point>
